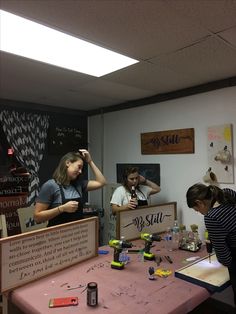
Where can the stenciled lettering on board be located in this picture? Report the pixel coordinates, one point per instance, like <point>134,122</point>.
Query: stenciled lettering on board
<point>140,222</point>
<point>43,252</point>
<point>31,257</point>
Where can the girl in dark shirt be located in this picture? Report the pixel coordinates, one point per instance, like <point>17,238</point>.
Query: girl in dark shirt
<point>219,209</point>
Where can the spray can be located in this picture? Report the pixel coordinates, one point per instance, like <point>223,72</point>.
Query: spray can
<point>92,294</point>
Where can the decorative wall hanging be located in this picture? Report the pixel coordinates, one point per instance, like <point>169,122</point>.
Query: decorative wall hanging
<point>179,141</point>
<point>210,177</point>
<point>220,152</point>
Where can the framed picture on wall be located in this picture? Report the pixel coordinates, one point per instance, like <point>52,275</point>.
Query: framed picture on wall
<point>149,171</point>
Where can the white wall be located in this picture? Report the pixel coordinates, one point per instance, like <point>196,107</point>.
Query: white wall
<point>118,135</point>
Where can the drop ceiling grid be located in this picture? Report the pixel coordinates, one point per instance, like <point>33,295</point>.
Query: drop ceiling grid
<point>119,91</point>
<point>135,28</point>
<point>230,36</point>
<point>206,60</point>
<point>214,15</point>
<point>156,78</point>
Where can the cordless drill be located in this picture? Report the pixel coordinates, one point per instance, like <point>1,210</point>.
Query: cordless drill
<point>149,238</point>
<point>118,246</point>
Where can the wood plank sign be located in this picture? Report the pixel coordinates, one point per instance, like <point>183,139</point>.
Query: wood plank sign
<point>179,141</point>
<point>212,276</point>
<point>29,256</point>
<point>150,219</point>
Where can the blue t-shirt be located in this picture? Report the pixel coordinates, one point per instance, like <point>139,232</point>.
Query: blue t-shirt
<point>55,195</point>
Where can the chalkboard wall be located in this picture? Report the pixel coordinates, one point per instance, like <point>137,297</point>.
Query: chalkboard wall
<point>62,139</point>
<point>66,133</point>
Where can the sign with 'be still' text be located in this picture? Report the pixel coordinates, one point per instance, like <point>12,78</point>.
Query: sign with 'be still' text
<point>150,219</point>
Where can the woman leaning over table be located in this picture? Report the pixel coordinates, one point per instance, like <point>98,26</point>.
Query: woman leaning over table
<point>219,209</point>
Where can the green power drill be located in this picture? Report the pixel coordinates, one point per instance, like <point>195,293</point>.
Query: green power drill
<point>149,238</point>
<point>118,246</point>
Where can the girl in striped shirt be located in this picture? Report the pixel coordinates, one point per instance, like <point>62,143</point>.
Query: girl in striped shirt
<point>219,209</point>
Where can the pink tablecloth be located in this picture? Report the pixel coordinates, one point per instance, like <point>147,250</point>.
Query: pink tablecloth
<point>119,291</point>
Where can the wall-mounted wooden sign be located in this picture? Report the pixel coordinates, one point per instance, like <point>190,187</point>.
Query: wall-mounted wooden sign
<point>179,141</point>
<point>32,255</point>
<point>150,219</point>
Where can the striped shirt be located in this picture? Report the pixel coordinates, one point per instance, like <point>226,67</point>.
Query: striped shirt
<point>221,225</point>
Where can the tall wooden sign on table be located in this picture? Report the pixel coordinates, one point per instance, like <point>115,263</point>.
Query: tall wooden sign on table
<point>145,219</point>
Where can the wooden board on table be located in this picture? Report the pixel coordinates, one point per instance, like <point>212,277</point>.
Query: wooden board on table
<point>32,255</point>
<point>212,276</point>
<point>150,219</point>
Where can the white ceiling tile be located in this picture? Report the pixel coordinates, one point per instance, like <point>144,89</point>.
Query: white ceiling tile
<point>121,92</point>
<point>229,35</point>
<point>214,15</point>
<point>154,77</point>
<point>208,60</point>
<point>180,43</point>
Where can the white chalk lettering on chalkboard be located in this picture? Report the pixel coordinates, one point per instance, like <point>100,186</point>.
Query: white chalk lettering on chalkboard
<point>63,132</point>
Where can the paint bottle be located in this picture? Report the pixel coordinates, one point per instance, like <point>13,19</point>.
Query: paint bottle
<point>92,294</point>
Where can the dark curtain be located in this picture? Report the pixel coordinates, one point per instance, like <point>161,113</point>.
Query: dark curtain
<point>26,134</point>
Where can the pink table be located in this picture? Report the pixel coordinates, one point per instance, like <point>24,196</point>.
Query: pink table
<point>119,291</point>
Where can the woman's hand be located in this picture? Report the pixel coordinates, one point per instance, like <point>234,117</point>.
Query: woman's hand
<point>69,207</point>
<point>133,203</point>
<point>155,188</point>
<point>86,155</point>
<point>142,180</point>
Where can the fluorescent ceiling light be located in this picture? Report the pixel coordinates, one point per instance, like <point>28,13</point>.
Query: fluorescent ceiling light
<point>32,40</point>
